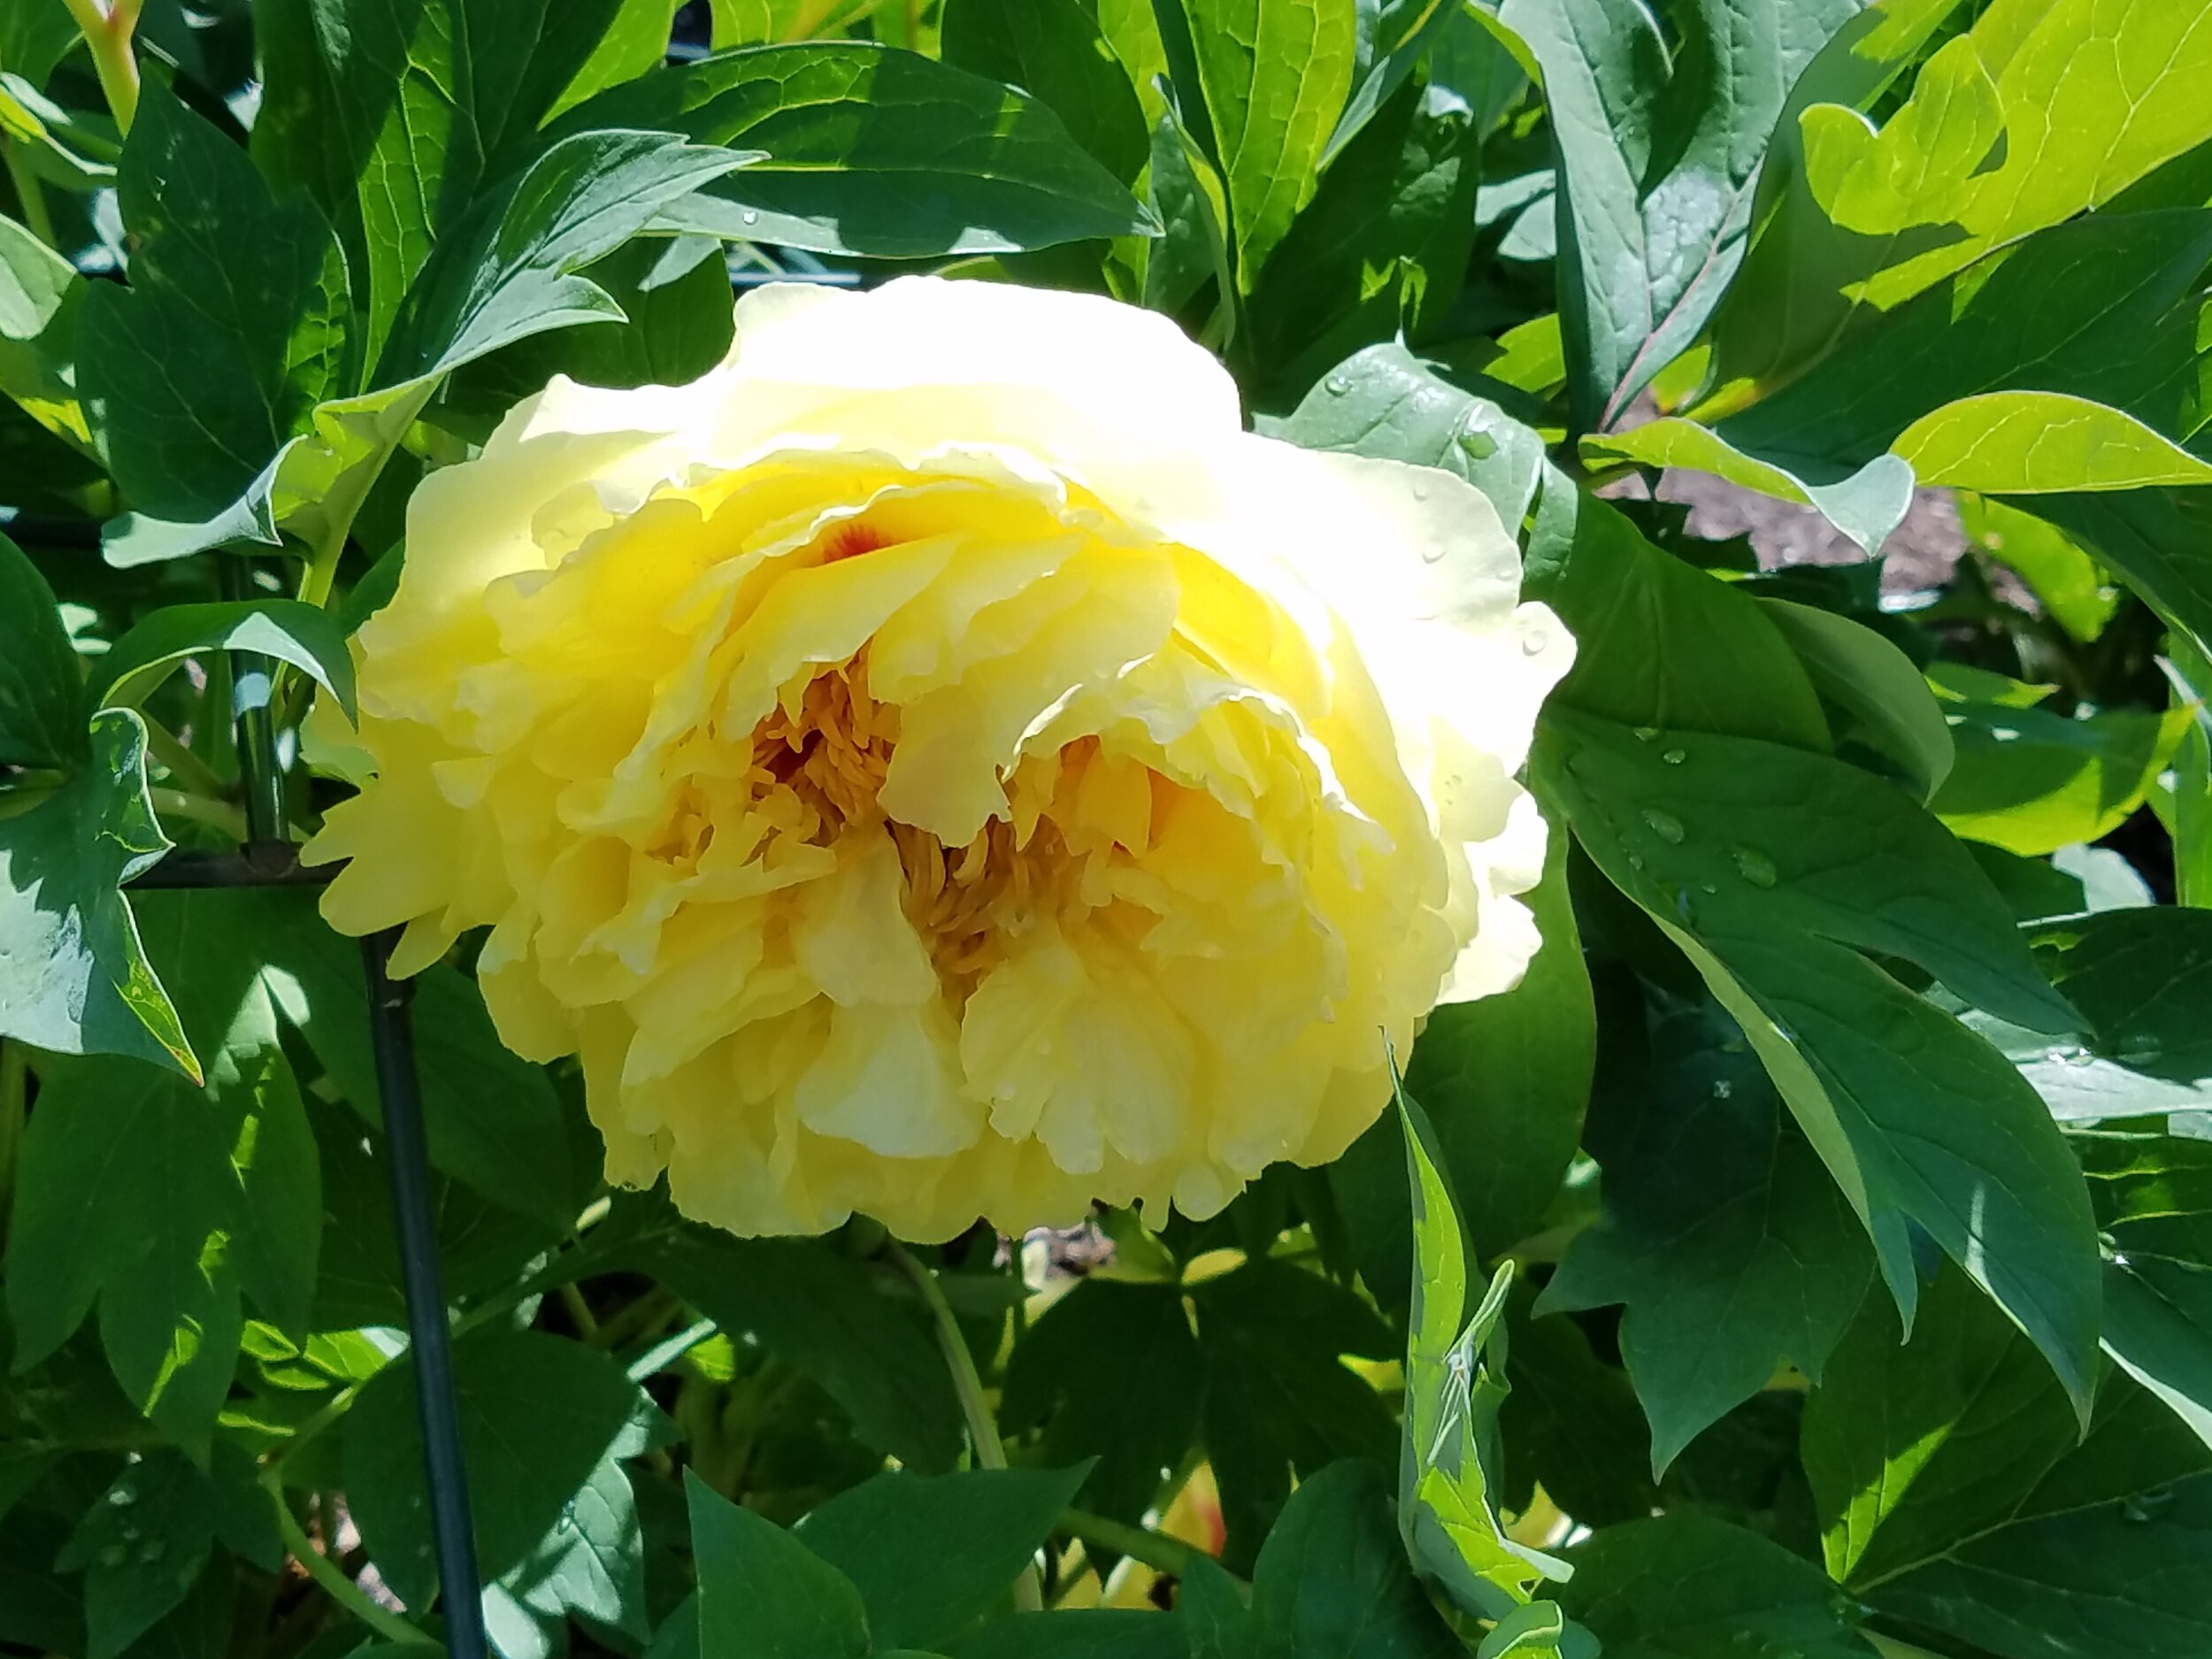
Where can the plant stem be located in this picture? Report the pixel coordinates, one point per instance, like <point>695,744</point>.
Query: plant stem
<point>990,1450</point>
<point>341,1589</point>
<point>29,193</point>
<point>1156,1550</point>
<point>191,771</point>
<point>108,33</point>
<point>217,814</point>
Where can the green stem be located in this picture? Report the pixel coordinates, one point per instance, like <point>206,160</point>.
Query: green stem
<point>189,770</point>
<point>990,1450</point>
<point>29,192</point>
<point>341,1589</point>
<point>14,1106</point>
<point>108,33</point>
<point>217,814</point>
<point>1156,1550</point>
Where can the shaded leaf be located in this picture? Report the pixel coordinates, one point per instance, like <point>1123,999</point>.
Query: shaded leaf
<point>763,1595</point>
<point>305,636</point>
<point>42,689</point>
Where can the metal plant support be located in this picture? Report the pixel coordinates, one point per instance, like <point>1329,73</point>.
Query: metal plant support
<point>268,859</point>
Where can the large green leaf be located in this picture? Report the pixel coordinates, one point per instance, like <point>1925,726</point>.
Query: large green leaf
<point>2158,541</point>
<point>42,691</point>
<point>2153,1197</point>
<point>932,1554</point>
<point>2031,781</point>
<point>235,325</point>
<point>1058,52</point>
<point>2066,581</point>
<point>1112,1373</point>
<point>1773,868</point>
<point>1866,504</point>
<point>827,1316</point>
<point>1682,1586</point>
<point>1721,1231</point>
<point>1886,701</point>
<point>872,151</point>
<point>1382,246</point>
<point>2095,315</point>
<point>541,1418</point>
<point>1658,163</point>
<point>141,1547</point>
<point>74,977</point>
<point>1913,1446</point>
<point>165,1205</point>
<point>511,268</point>
<point>1332,1583</point>
<point>1504,1079</point>
<point>39,294</point>
<point>763,1595</point>
<point>305,636</point>
<point>1386,402</point>
<point>1660,645</point>
<point>1262,84</point>
<point>1276,1401</point>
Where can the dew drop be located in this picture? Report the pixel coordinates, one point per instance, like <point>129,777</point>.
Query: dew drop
<point>749,217</point>
<point>568,1518</point>
<point>1647,734</point>
<point>1675,756</point>
<point>1665,825</point>
<point>1478,445</point>
<point>1432,552</point>
<point>1336,385</point>
<point>2071,1054</point>
<point>1635,861</point>
<point>152,1552</point>
<point>1754,866</point>
<point>1535,643</point>
<point>1708,887</point>
<point>1420,490</point>
<point>1722,1088</point>
<point>113,1556</point>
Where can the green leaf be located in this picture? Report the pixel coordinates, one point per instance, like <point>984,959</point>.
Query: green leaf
<point>1773,868</point>
<point>1332,1582</point>
<point>1658,645</point>
<point>874,152</point>
<point>2031,781</point>
<point>1184,195</point>
<point>826,1317</point>
<point>1394,37</point>
<point>1866,504</point>
<point>163,1204</point>
<point>542,1417</point>
<point>1453,1384</point>
<point>1383,245</point>
<point>1262,84</point>
<point>1276,1401</point>
<point>1861,672</point>
<point>1911,1448</point>
<point>494,1121</point>
<point>1504,1079</point>
<point>235,325</point>
<point>2093,97</point>
<point>1080,1634</point>
<point>2048,367</point>
<point>1572,1422</point>
<point>2065,579</point>
<point>305,636</point>
<point>1682,1585</point>
<point>2158,541</point>
<point>1112,1373</point>
<point>1658,163</point>
<point>1058,52</point>
<point>1721,1231</point>
<point>1386,402</point>
<point>1909,171</point>
<point>2153,1197</point>
<point>74,977</point>
<point>141,1547</point>
<point>40,292</point>
<point>931,1555</point>
<point>763,1595</point>
<point>42,690</point>
<point>512,267</point>
<point>34,39</point>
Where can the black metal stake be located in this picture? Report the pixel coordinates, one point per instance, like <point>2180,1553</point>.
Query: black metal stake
<point>400,1093</point>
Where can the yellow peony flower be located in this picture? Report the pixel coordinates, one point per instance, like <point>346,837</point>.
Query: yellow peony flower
<point>938,765</point>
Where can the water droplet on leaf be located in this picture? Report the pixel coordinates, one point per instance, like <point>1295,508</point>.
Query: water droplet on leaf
<point>1336,385</point>
<point>1646,733</point>
<point>1675,756</point>
<point>1754,866</point>
<point>1665,825</point>
<point>1478,445</point>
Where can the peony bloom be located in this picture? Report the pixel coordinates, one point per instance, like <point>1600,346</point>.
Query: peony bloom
<point>938,765</point>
